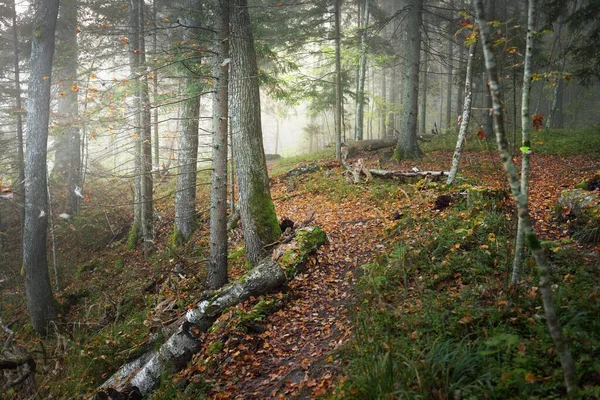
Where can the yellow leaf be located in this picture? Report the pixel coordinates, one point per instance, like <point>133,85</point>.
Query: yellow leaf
<point>46,78</point>
<point>467,319</point>
<point>92,76</point>
<point>530,378</point>
<point>124,40</point>
<point>74,88</point>
<point>165,19</point>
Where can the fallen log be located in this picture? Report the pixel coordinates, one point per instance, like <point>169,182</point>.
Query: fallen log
<point>404,174</point>
<point>353,148</point>
<point>141,375</point>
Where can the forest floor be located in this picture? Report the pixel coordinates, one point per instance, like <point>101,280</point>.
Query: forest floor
<point>116,298</point>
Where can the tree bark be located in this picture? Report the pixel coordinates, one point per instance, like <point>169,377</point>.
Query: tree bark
<point>144,373</point>
<point>67,159</point>
<point>562,348</point>
<point>362,73</point>
<point>449,82</point>
<point>526,144</point>
<point>155,99</point>
<point>408,147</point>
<point>259,220</point>
<point>466,116</point>
<point>217,267</point>
<point>40,300</point>
<point>351,149</point>
<point>185,193</point>
<point>423,110</point>
<point>20,186</point>
<point>338,81</point>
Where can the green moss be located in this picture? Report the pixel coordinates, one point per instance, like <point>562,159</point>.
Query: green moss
<point>134,235</point>
<point>215,347</point>
<point>119,263</point>
<point>236,254</point>
<point>177,238</point>
<point>307,240</point>
<point>87,267</point>
<point>310,238</point>
<point>262,209</point>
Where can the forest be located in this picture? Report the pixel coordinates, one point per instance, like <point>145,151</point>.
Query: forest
<point>270,199</point>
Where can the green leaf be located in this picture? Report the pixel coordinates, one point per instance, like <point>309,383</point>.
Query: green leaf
<point>525,149</point>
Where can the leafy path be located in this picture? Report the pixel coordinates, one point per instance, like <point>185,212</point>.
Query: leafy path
<point>292,358</point>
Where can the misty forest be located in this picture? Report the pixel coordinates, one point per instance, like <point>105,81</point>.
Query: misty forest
<point>251,199</point>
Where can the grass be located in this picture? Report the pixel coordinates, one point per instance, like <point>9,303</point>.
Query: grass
<point>285,164</point>
<point>563,142</point>
<point>435,318</point>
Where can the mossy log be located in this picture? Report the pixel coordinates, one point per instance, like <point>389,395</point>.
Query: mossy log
<point>141,375</point>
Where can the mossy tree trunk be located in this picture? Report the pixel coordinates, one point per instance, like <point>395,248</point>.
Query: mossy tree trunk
<point>560,343</point>
<point>259,220</point>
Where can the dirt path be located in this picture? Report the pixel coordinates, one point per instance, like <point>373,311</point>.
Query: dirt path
<point>291,359</point>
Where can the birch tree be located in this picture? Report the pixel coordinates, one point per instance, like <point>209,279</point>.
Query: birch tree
<point>257,211</point>
<point>40,300</point>
<point>560,343</point>
<point>466,116</point>
<point>526,144</point>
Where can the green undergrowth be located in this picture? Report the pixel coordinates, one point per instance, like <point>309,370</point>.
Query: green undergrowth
<point>287,163</point>
<point>564,142</point>
<point>435,317</point>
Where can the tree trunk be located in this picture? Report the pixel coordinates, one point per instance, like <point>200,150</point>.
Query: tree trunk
<point>560,343</point>
<point>351,149</point>
<point>20,186</point>
<point>338,82</point>
<point>185,193</point>
<point>259,220</point>
<point>40,300</point>
<point>466,116</point>
<point>155,99</point>
<point>450,83</point>
<point>144,373</point>
<point>526,144</point>
<point>217,267</point>
<point>134,66</point>
<point>362,73</point>
<point>408,147</point>
<point>67,159</point>
<point>423,110</point>
<point>146,142</point>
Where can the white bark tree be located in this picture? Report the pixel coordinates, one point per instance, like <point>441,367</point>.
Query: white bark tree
<point>526,143</point>
<point>560,343</point>
<point>466,116</point>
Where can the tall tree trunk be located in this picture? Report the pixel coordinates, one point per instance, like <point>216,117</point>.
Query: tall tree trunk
<point>487,116</point>
<point>450,70</point>
<point>146,142</point>
<point>362,73</point>
<point>217,269</point>
<point>134,67</point>
<point>407,142</point>
<point>67,159</point>
<point>338,81</point>
<point>155,98</point>
<point>20,186</point>
<point>526,144</point>
<point>185,193</point>
<point>261,228</point>
<point>466,116</point>
<point>40,300</point>
<point>423,110</point>
<point>383,107</point>
<point>560,343</point>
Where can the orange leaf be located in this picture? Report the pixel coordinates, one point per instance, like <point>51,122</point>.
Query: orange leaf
<point>530,378</point>
<point>124,40</point>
